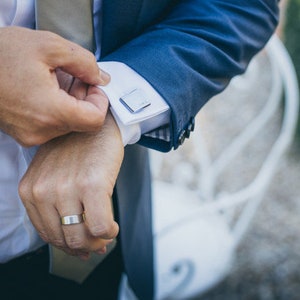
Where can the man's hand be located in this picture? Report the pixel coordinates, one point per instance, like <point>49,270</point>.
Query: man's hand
<point>69,175</point>
<point>33,107</point>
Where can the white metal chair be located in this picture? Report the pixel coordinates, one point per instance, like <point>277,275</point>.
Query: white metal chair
<point>197,230</point>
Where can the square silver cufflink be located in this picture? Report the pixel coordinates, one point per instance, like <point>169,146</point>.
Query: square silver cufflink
<point>135,101</point>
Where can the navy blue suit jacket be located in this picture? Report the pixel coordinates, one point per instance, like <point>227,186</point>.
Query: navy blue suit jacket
<point>188,51</point>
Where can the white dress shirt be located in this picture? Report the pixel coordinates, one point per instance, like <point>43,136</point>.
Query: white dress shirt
<point>17,234</point>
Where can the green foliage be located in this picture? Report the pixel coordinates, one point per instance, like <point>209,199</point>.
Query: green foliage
<point>291,33</point>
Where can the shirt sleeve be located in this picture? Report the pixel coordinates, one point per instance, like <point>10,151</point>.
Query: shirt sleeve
<point>136,106</point>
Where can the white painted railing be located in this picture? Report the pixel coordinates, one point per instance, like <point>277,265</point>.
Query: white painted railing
<point>194,242</point>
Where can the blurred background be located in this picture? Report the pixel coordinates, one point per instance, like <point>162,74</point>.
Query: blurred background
<point>266,260</point>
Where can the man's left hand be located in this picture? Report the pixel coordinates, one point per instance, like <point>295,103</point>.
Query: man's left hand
<point>70,175</point>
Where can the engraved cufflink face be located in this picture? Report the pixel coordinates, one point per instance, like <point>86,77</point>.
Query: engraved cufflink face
<point>135,101</point>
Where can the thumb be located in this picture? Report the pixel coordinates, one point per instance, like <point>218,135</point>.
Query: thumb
<point>75,60</point>
<point>83,115</point>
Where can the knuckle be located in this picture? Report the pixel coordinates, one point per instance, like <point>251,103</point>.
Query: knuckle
<point>75,243</point>
<point>26,140</point>
<point>63,187</point>
<point>87,183</point>
<point>100,230</point>
<point>39,191</point>
<point>105,230</point>
<point>24,189</point>
<point>90,59</point>
<point>34,140</point>
<point>44,236</point>
<point>59,243</point>
<point>29,140</point>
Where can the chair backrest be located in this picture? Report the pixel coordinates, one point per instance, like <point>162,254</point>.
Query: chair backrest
<point>198,223</point>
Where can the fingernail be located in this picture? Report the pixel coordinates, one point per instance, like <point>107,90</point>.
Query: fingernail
<point>105,77</point>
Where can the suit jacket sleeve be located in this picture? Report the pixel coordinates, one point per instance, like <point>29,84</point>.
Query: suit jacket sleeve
<point>190,53</point>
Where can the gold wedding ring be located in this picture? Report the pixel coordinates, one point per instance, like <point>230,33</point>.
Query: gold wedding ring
<point>72,219</point>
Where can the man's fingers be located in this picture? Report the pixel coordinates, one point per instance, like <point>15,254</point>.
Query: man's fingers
<point>82,115</point>
<point>78,89</point>
<point>101,225</point>
<point>73,59</point>
<point>41,108</point>
<point>85,107</point>
<point>98,98</point>
<point>99,216</point>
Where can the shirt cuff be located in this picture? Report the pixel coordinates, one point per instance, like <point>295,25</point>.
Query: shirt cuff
<point>134,103</point>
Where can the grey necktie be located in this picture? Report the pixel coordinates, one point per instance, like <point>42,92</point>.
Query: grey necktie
<point>73,20</point>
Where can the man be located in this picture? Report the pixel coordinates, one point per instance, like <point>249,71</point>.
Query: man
<point>166,59</point>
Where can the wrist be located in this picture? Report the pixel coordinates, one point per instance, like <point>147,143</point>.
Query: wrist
<point>111,127</point>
